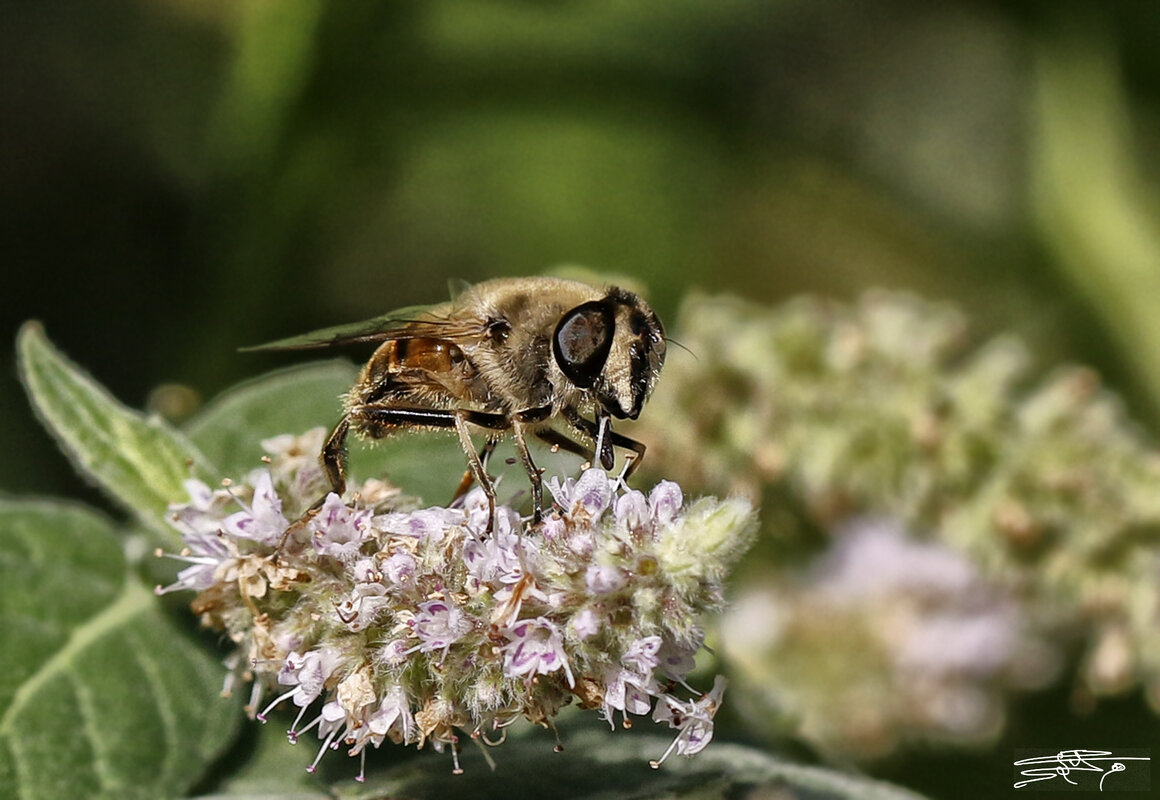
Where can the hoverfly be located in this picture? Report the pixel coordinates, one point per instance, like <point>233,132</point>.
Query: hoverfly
<point>506,356</point>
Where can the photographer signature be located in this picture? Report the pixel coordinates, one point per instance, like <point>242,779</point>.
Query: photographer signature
<point>1065,762</point>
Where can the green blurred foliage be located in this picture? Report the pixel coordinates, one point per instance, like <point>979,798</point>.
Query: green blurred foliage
<point>216,173</point>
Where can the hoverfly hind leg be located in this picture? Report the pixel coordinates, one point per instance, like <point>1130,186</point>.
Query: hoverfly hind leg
<point>333,460</point>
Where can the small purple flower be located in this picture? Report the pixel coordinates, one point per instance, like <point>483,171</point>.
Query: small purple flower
<point>426,524</point>
<point>307,673</point>
<point>535,647</point>
<point>641,656</point>
<point>589,496</point>
<point>553,527</point>
<point>604,579</point>
<point>592,493</point>
<point>495,559</point>
<point>205,554</point>
<point>392,718</point>
<point>665,502</point>
<point>628,692</point>
<point>476,509</point>
<point>365,570</point>
<point>339,531</point>
<point>394,652</point>
<point>201,573</point>
<point>693,718</point>
<point>400,569</point>
<point>676,662</point>
<point>262,522</point>
<point>363,606</point>
<point>585,623</point>
<point>197,518</point>
<point>561,491</point>
<point>438,625</point>
<point>632,510</point>
<point>581,542</point>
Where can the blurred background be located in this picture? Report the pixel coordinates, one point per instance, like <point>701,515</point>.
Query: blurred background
<point>179,178</point>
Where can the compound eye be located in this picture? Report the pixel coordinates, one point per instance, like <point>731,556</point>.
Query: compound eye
<point>582,341</point>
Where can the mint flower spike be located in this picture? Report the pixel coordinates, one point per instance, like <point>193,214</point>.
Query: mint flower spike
<point>380,622</point>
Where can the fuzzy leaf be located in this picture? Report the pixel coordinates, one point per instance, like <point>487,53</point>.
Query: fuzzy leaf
<point>230,429</point>
<point>599,763</point>
<point>596,764</point>
<point>139,460</point>
<point>273,768</point>
<point>101,695</point>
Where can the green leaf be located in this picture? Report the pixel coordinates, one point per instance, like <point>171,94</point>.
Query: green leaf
<point>102,695</point>
<point>273,768</point>
<point>598,763</point>
<point>230,429</point>
<point>140,461</point>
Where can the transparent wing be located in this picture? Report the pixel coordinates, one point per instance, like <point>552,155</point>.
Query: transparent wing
<point>412,322</point>
<point>456,287</point>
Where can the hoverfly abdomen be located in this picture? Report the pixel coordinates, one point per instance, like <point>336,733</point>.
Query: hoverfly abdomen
<point>431,355</point>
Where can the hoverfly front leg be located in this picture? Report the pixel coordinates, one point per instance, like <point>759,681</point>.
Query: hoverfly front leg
<point>557,440</point>
<point>600,433</point>
<point>610,438</point>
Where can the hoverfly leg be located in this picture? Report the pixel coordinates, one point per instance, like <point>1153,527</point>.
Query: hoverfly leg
<point>520,421</point>
<point>631,461</point>
<point>333,458</point>
<point>376,421</point>
<point>518,432</point>
<point>476,468</point>
<point>556,439</point>
<point>468,476</point>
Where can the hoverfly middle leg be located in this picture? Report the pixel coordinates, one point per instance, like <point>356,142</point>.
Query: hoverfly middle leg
<point>605,438</point>
<point>601,434</point>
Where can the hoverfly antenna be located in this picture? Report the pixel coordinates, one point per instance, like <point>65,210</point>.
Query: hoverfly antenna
<point>670,340</point>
